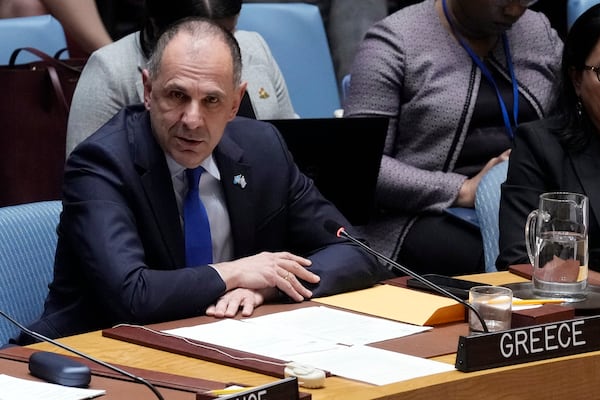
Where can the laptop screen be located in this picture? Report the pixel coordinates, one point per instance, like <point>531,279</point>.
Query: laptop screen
<point>342,156</point>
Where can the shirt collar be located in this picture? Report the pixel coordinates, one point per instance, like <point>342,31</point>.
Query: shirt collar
<point>177,170</point>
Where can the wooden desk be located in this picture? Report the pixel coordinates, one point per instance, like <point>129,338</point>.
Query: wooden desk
<point>573,376</point>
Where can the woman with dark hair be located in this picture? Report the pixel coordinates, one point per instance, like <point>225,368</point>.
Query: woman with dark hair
<point>112,77</point>
<point>561,153</point>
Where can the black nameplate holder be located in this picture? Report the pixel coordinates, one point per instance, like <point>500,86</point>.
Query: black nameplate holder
<point>283,389</point>
<point>526,344</point>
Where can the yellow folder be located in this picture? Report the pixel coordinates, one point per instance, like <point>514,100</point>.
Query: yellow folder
<point>399,304</point>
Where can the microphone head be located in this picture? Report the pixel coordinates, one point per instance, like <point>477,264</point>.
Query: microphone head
<point>333,227</point>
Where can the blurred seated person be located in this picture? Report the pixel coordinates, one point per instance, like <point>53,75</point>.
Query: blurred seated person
<point>445,72</point>
<point>80,19</point>
<point>560,153</point>
<point>112,79</point>
<point>127,251</point>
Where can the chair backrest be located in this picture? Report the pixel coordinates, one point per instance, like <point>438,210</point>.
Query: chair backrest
<point>296,36</point>
<point>345,88</point>
<point>43,32</point>
<point>27,245</point>
<point>577,7</point>
<point>487,206</point>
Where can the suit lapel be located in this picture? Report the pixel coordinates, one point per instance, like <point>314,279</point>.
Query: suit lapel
<point>154,173</point>
<point>236,179</point>
<point>586,165</point>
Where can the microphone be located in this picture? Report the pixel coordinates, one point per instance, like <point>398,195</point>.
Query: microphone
<point>338,230</point>
<point>43,338</point>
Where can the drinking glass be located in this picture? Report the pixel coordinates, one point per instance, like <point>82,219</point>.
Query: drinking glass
<point>494,304</point>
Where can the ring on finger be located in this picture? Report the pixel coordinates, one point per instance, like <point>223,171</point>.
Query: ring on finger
<point>287,276</point>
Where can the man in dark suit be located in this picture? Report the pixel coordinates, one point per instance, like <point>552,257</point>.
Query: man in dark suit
<point>121,252</point>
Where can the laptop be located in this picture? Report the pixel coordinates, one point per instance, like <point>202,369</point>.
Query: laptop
<point>342,156</point>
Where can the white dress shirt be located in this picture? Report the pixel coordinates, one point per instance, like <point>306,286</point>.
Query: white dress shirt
<point>213,198</point>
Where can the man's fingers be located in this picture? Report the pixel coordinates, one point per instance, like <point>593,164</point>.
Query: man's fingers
<point>290,285</point>
<point>298,270</point>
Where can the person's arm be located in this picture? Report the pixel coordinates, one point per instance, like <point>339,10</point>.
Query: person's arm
<point>81,21</point>
<point>118,243</point>
<point>299,226</point>
<point>286,110</point>
<point>378,88</point>
<point>466,195</point>
<point>110,80</point>
<point>530,174</point>
<point>111,238</point>
<point>21,8</point>
<point>340,265</point>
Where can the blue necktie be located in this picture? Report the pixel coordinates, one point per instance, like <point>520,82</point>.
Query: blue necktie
<point>198,244</point>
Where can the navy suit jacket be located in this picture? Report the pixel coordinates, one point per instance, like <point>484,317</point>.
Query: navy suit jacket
<point>120,252</point>
<point>538,164</point>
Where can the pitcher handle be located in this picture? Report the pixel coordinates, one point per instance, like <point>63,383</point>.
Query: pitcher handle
<point>530,235</point>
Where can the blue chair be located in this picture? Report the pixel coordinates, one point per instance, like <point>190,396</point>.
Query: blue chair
<point>296,36</point>
<point>487,206</point>
<point>27,245</point>
<point>345,88</point>
<point>43,32</point>
<point>577,7</point>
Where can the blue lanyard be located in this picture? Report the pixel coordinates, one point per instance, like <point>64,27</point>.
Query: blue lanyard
<point>486,72</point>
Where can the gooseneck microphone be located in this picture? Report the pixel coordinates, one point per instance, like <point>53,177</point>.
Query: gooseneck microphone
<point>338,230</point>
<point>43,338</point>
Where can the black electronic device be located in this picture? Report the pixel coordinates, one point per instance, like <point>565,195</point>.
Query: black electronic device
<point>59,369</point>
<point>458,287</point>
<point>342,156</point>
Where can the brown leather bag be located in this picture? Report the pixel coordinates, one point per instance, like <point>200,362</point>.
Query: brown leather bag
<point>34,108</point>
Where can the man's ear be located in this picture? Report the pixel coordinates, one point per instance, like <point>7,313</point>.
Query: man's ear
<point>147,88</point>
<point>576,76</point>
<point>238,99</point>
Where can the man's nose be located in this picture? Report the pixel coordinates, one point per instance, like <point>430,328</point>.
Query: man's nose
<point>192,115</point>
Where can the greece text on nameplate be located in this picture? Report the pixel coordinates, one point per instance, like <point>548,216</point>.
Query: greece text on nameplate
<point>531,343</point>
<point>283,389</point>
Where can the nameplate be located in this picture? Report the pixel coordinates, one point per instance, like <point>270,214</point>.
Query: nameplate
<point>532,343</point>
<point>283,389</point>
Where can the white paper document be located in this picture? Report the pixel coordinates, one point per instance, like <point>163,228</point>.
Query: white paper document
<point>278,343</point>
<point>286,334</point>
<point>12,388</point>
<point>337,325</point>
<point>324,338</point>
<point>372,365</point>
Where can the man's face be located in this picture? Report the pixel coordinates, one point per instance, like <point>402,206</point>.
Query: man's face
<point>192,98</point>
